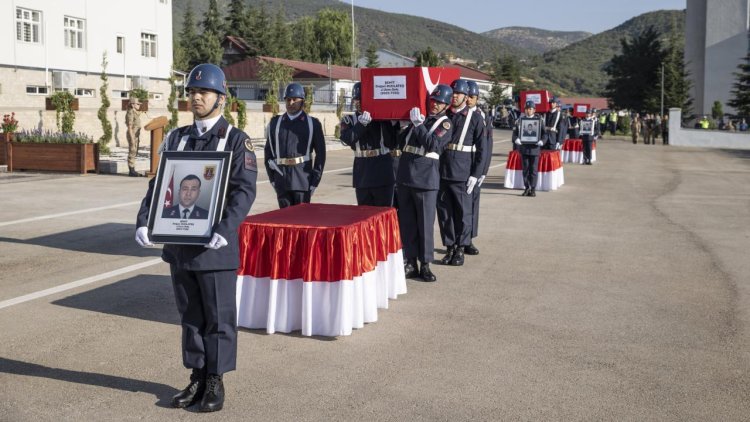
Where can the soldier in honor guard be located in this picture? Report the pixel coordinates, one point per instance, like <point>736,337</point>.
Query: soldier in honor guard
<point>573,126</point>
<point>529,151</point>
<point>204,277</point>
<point>295,151</point>
<point>471,102</point>
<point>372,174</point>
<point>587,139</point>
<point>552,122</point>
<point>418,180</point>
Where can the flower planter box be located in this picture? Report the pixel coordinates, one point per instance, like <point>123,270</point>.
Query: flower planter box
<point>49,106</point>
<point>267,108</point>
<point>126,104</point>
<point>4,139</point>
<point>79,158</point>
<point>183,105</point>
<point>233,108</point>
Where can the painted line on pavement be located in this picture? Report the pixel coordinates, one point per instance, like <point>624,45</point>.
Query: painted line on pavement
<point>79,283</point>
<point>65,214</point>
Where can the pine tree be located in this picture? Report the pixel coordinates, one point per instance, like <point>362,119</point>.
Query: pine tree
<point>426,58</point>
<point>237,19</point>
<point>260,34</point>
<point>281,36</point>
<point>676,77</point>
<point>209,43</point>
<point>372,57</point>
<point>187,40</point>
<point>102,113</point>
<point>741,93</point>
<point>333,31</point>
<point>303,32</point>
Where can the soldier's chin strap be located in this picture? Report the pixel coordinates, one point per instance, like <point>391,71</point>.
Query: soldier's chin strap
<point>216,105</point>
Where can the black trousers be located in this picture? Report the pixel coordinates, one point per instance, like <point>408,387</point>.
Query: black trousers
<point>475,211</point>
<point>454,211</point>
<point>293,197</point>
<point>381,196</point>
<point>587,150</point>
<point>416,218</point>
<point>206,301</point>
<point>530,165</point>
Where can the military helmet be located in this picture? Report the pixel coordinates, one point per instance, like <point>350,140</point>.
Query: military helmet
<point>207,76</point>
<point>357,91</point>
<point>294,90</point>
<point>442,93</point>
<point>554,100</point>
<point>473,89</point>
<point>460,85</point>
<point>530,104</point>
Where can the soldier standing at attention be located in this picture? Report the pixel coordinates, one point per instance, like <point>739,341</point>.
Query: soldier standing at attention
<point>635,128</point>
<point>133,126</point>
<point>292,139</point>
<point>552,122</point>
<point>204,277</point>
<point>471,102</point>
<point>587,140</point>
<point>372,175</point>
<point>418,180</point>
<point>529,152</point>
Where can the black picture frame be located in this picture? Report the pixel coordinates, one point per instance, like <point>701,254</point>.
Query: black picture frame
<point>529,130</point>
<point>177,168</point>
<point>587,127</point>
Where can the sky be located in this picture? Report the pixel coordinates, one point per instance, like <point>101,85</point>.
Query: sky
<point>484,15</point>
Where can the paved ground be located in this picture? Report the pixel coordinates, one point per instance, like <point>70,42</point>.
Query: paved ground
<point>622,296</point>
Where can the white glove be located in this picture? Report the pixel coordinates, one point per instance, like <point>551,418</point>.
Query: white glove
<point>481,179</point>
<point>558,146</point>
<point>141,236</point>
<point>416,117</point>
<point>470,184</point>
<point>517,141</point>
<point>365,118</point>
<point>540,143</point>
<point>217,241</point>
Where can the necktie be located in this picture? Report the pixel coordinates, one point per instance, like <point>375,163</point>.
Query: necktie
<point>185,213</point>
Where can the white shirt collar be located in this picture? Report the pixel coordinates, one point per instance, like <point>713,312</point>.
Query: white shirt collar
<point>205,125</point>
<point>293,116</point>
<point>460,109</point>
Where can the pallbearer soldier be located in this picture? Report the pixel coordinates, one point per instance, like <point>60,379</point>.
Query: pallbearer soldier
<point>529,151</point>
<point>552,122</point>
<point>460,170</point>
<point>373,178</point>
<point>419,180</point>
<point>291,139</point>
<point>589,138</point>
<point>471,102</point>
<point>205,277</point>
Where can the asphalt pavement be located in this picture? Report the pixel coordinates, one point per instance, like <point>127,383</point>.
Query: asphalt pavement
<point>622,296</point>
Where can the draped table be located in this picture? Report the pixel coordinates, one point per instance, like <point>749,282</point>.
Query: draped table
<point>550,175</point>
<point>320,268</point>
<point>572,151</point>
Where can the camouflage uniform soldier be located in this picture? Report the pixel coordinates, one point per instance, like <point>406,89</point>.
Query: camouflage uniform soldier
<point>133,126</point>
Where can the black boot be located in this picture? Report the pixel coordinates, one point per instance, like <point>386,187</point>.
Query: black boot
<point>213,398</point>
<point>193,392</point>
<point>532,192</point>
<point>425,273</point>
<point>458,257</point>
<point>471,249</point>
<point>410,268</point>
<point>449,255</point>
<point>525,192</point>
<point>132,172</point>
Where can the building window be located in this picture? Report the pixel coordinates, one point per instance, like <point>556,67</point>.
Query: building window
<point>155,95</point>
<point>120,44</point>
<point>36,90</point>
<point>74,28</point>
<point>148,44</point>
<point>163,1</point>
<point>119,94</point>
<point>28,25</point>
<point>83,92</point>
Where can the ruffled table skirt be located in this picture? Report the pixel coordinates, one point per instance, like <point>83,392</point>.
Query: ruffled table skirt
<point>572,151</point>
<point>550,176</point>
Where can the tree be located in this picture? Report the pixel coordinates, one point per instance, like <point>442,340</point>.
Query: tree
<point>372,57</point>
<point>209,43</point>
<point>634,74</point>
<point>260,34</point>
<point>102,113</point>
<point>273,74</point>
<point>333,31</point>
<point>173,115</point>
<point>717,111</point>
<point>281,40</point>
<point>303,32</point>
<point>187,41</point>
<point>426,58</point>
<point>676,77</point>
<point>237,23</point>
<point>740,100</point>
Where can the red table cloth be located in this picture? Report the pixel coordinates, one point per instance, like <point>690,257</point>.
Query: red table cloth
<point>572,151</point>
<point>550,176</point>
<point>320,268</point>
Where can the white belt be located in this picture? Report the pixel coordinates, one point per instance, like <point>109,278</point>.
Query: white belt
<point>369,153</point>
<point>462,148</point>
<point>420,151</point>
<point>291,161</point>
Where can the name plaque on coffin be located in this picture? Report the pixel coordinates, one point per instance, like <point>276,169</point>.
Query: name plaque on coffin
<point>579,110</point>
<point>390,93</point>
<point>540,99</point>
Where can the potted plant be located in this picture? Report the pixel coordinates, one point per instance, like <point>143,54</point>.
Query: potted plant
<point>273,74</point>
<point>9,126</point>
<point>53,151</point>
<point>61,99</point>
<point>62,102</point>
<point>140,94</point>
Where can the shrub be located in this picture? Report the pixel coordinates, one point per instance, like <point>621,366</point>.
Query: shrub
<point>48,137</point>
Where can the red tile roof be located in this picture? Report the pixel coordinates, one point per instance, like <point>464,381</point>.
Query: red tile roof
<point>248,69</point>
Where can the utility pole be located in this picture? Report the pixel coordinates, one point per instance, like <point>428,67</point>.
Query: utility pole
<point>662,91</point>
<point>330,83</point>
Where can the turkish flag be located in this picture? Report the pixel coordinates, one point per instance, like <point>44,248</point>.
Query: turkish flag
<point>169,193</point>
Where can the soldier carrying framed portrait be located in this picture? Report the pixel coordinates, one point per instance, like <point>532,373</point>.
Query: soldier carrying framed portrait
<point>529,130</point>
<point>587,127</point>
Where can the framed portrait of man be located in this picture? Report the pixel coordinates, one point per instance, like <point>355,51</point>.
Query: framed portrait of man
<point>529,131</point>
<point>188,196</point>
<point>587,127</point>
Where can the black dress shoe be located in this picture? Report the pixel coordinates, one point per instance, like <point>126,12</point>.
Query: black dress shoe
<point>448,256</point>
<point>471,249</point>
<point>525,192</point>
<point>132,172</point>
<point>532,192</point>
<point>193,392</point>
<point>425,273</point>
<point>213,398</point>
<point>458,257</point>
<point>410,269</point>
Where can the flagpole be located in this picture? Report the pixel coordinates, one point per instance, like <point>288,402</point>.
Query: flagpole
<point>354,62</point>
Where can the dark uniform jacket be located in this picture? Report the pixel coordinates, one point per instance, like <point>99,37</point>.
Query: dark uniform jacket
<point>418,171</point>
<point>240,195</point>
<point>488,143</point>
<point>196,213</point>
<point>528,149</point>
<point>597,130</point>
<point>554,134</point>
<point>376,171</point>
<point>293,142</point>
<point>455,165</point>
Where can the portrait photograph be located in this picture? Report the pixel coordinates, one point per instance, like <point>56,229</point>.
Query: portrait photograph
<point>188,196</point>
<point>529,131</point>
<point>587,127</point>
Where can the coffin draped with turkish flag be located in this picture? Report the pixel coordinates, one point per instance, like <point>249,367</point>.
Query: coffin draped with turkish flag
<point>540,98</point>
<point>579,110</point>
<point>389,93</point>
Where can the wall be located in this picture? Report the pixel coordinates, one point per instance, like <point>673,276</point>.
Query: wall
<point>679,136</point>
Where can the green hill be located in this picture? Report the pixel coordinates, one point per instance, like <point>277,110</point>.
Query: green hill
<point>536,40</point>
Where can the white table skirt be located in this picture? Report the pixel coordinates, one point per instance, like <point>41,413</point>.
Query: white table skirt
<point>546,181</point>
<point>576,156</point>
<point>319,308</point>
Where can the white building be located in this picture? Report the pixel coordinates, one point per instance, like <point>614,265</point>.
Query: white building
<point>51,45</point>
<point>388,58</point>
<point>715,43</point>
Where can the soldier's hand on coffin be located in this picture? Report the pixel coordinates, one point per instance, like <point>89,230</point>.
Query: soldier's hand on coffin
<point>416,116</point>
<point>470,184</point>
<point>217,241</point>
<point>365,118</point>
<point>141,237</point>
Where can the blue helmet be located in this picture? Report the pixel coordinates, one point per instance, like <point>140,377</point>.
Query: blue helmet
<point>442,93</point>
<point>357,91</point>
<point>554,100</point>
<point>473,89</point>
<point>530,104</point>
<point>460,85</point>
<point>294,90</point>
<point>207,76</point>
